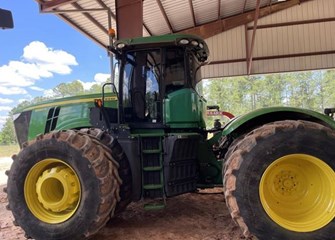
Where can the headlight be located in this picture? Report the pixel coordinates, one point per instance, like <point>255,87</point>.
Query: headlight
<point>184,41</point>
<point>120,45</point>
<point>195,43</point>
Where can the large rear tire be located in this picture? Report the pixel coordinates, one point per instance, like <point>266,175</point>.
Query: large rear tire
<point>279,181</point>
<point>63,185</point>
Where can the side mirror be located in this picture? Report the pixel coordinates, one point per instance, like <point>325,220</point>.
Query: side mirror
<point>6,19</point>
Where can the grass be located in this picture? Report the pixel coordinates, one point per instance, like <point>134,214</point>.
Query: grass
<point>8,150</point>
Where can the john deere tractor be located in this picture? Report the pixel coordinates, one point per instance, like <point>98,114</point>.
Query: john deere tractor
<point>85,158</point>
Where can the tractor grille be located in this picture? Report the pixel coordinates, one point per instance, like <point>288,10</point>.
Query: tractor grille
<point>180,164</point>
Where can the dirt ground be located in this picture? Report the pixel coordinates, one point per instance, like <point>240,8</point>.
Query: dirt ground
<point>193,216</point>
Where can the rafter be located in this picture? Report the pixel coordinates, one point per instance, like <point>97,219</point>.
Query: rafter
<point>213,28</point>
<point>245,4</point>
<point>192,12</point>
<point>219,9</point>
<point>164,15</point>
<point>66,19</point>
<point>103,5</point>
<point>46,6</point>
<point>147,29</point>
<point>89,17</point>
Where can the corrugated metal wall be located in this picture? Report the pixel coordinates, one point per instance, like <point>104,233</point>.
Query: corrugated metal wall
<point>299,38</point>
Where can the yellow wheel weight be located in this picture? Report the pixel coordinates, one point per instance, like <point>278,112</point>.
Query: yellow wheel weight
<point>297,192</point>
<point>52,191</point>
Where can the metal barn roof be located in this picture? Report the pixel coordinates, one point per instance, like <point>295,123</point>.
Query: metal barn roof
<point>91,17</point>
<point>229,26</point>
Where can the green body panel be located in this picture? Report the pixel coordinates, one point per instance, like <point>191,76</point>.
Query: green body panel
<point>284,113</point>
<point>74,112</point>
<point>37,123</point>
<point>209,167</point>
<point>183,109</point>
<point>109,98</point>
<point>74,116</point>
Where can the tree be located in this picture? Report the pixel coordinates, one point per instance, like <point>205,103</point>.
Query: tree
<point>7,135</point>
<point>69,89</point>
<point>329,88</point>
<point>312,90</point>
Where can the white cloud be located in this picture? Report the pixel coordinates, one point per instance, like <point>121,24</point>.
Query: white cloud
<point>14,73</point>
<point>37,89</point>
<point>5,108</point>
<point>5,101</point>
<point>57,61</point>
<point>101,77</point>
<point>38,61</point>
<point>87,85</point>
<point>12,90</point>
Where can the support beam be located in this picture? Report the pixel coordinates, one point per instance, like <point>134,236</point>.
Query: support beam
<point>263,58</point>
<point>253,37</point>
<point>214,28</point>
<point>102,4</point>
<point>295,23</point>
<point>129,18</point>
<point>247,51</point>
<point>49,5</point>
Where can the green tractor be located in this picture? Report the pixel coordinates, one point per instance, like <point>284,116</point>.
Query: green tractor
<point>84,159</point>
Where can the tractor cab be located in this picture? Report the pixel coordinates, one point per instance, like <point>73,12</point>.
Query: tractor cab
<point>155,72</point>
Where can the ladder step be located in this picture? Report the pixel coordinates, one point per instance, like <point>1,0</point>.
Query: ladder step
<point>152,186</point>
<point>156,168</point>
<point>151,151</point>
<point>154,206</point>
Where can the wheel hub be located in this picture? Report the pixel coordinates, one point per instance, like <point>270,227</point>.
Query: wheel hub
<point>286,182</point>
<point>57,189</point>
<point>297,192</point>
<point>52,191</point>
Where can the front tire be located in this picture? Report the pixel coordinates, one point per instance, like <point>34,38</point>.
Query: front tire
<point>279,181</point>
<point>63,185</point>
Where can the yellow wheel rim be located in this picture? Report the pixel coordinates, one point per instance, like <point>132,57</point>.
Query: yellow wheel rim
<point>52,191</point>
<point>297,192</point>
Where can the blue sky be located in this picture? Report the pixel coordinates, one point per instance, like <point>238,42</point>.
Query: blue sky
<point>41,52</point>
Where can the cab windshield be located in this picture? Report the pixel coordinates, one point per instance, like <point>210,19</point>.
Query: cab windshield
<point>147,76</point>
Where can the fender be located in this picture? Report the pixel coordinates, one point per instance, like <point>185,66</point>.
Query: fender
<point>246,122</point>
